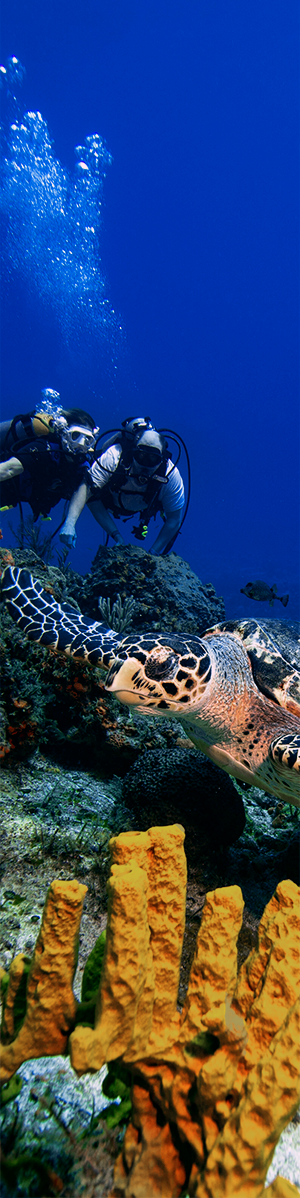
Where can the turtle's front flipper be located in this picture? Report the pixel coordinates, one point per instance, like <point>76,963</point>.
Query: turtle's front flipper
<point>44,620</point>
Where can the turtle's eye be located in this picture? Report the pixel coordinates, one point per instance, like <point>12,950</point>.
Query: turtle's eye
<point>285,751</point>
<point>161,663</point>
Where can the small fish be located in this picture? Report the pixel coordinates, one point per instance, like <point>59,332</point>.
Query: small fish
<point>259,590</point>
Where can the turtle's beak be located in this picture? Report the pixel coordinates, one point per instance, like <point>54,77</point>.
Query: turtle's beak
<point>126,681</point>
<point>128,697</point>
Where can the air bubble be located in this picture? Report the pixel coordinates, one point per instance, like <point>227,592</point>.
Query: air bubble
<point>53,223</point>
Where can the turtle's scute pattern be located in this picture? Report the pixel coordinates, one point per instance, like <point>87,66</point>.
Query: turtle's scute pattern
<point>275,670</point>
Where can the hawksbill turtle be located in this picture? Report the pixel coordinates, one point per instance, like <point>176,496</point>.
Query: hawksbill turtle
<point>235,690</point>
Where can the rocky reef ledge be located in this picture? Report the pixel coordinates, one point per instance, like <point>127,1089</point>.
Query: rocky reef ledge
<point>166,594</point>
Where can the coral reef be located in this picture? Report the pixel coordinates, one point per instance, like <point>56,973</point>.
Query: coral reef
<point>35,686</point>
<point>179,785</point>
<point>213,1085</point>
<point>58,1120</point>
<point>89,727</point>
<point>168,595</point>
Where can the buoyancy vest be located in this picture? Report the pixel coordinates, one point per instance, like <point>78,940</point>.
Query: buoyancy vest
<point>111,493</point>
<point>48,476</point>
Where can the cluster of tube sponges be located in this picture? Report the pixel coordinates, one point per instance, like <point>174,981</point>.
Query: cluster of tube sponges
<point>213,1085</point>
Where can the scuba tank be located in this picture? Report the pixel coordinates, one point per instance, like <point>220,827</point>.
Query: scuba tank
<point>20,430</point>
<point>26,427</point>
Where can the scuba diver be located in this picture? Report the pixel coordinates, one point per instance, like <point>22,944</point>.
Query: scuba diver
<point>134,473</point>
<point>44,455</point>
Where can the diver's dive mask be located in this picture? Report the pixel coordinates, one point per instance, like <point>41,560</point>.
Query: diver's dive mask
<point>148,453</point>
<point>146,461</point>
<point>150,458</point>
<point>75,439</point>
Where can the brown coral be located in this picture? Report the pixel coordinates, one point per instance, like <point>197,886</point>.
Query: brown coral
<point>23,729</point>
<point>6,559</point>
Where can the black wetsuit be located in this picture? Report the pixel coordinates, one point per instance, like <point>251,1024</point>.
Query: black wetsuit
<point>49,475</point>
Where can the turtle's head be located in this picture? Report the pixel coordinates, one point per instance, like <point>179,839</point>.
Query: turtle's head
<point>160,679</point>
<point>285,755</point>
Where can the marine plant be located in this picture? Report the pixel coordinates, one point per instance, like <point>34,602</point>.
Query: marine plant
<point>30,534</point>
<point>213,1085</point>
<point>119,615</point>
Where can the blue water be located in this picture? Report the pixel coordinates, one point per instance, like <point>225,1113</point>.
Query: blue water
<point>162,276</point>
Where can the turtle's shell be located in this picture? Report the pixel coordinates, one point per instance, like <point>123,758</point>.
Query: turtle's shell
<point>273,647</point>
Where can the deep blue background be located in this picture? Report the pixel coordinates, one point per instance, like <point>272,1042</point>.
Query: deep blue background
<point>198,103</point>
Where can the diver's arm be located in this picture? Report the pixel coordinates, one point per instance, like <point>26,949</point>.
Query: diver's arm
<point>106,521</point>
<point>10,469</point>
<point>169,530</point>
<point>77,503</point>
<point>100,473</point>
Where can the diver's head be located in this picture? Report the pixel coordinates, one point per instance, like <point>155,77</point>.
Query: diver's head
<point>77,431</point>
<point>74,428</point>
<point>135,425</point>
<point>148,452</point>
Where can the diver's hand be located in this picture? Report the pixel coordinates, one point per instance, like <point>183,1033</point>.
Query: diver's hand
<point>67,535</point>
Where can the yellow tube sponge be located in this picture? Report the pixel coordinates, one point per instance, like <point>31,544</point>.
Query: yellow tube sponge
<point>160,853</point>
<point>214,1085</point>
<point>267,987</point>
<point>281,1188</point>
<point>227,1081</point>
<point>214,969</point>
<point>274,988</point>
<point>240,1158</point>
<point>51,1004</point>
<point>15,977</point>
<point>125,1001</point>
<point>139,985</point>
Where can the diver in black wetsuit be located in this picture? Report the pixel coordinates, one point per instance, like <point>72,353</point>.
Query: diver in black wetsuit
<point>45,455</point>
